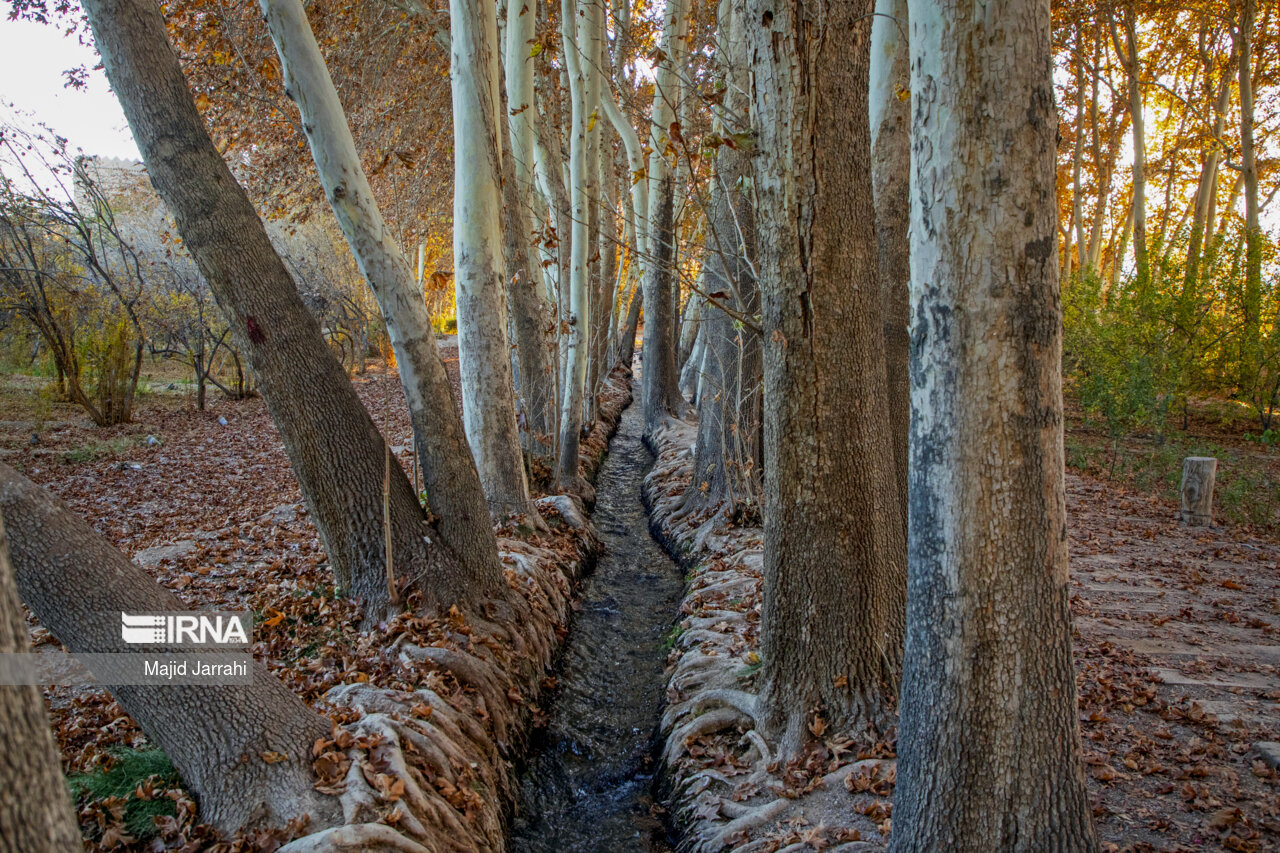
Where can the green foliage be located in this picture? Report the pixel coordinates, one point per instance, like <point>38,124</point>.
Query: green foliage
<point>1115,359</point>
<point>121,778</point>
<point>444,324</point>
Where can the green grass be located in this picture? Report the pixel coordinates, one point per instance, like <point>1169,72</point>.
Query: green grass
<point>95,450</point>
<point>669,642</point>
<point>130,768</point>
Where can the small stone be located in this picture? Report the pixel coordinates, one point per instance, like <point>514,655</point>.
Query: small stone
<point>1269,750</point>
<point>35,439</point>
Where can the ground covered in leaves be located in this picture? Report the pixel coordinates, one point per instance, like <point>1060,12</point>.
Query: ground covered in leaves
<point>206,502</point>
<point>1177,641</point>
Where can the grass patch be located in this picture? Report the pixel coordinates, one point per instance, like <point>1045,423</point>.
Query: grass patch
<point>669,641</point>
<point>96,450</point>
<point>128,769</point>
<point>1247,489</point>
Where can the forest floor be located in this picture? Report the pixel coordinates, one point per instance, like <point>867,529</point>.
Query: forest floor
<point>1177,644</point>
<point>207,503</point>
<point>1177,629</point>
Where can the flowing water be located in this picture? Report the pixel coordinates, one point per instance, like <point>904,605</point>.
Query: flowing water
<point>587,786</point>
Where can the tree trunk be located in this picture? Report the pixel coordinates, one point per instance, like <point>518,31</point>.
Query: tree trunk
<point>660,391</point>
<point>834,550</point>
<point>659,379</point>
<point>217,737</point>
<point>584,83</point>
<point>525,285</point>
<point>332,443</point>
<point>627,333</point>
<point>488,390</point>
<point>36,815</point>
<point>1206,190</point>
<point>727,357</point>
<point>988,740</point>
<point>1254,238</point>
<point>1129,58</point>
<point>890,171</point>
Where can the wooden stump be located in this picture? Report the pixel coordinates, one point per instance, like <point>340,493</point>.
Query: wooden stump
<point>1198,473</point>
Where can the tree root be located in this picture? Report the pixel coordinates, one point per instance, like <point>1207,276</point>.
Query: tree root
<point>359,838</point>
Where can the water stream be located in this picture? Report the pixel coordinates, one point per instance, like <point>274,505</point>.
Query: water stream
<point>587,785</point>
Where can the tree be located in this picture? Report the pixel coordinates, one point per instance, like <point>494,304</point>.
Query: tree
<point>66,267</point>
<point>988,739</point>
<point>834,555</point>
<point>488,390</point>
<point>891,165</point>
<point>221,739</point>
<point>525,282</point>
<point>1127,50</point>
<point>580,29</point>
<point>660,391</point>
<point>1247,10</point>
<point>335,450</point>
<point>35,810</point>
<point>727,456</point>
<point>447,468</point>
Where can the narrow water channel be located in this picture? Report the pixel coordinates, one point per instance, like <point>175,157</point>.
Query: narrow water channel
<point>587,786</point>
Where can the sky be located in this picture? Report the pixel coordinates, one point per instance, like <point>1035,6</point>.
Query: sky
<point>32,59</point>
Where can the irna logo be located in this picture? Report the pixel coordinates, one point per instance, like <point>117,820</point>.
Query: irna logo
<point>185,629</point>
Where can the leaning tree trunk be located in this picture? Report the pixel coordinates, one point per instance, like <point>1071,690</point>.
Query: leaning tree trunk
<point>988,739</point>
<point>35,812</point>
<point>453,490</point>
<point>224,740</point>
<point>335,450</point>
<point>834,550</point>
<point>891,166</point>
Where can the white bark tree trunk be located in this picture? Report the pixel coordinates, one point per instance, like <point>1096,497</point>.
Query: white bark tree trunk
<point>989,754</point>
<point>581,29</point>
<point>527,288</point>
<point>450,478</point>
<point>488,390</point>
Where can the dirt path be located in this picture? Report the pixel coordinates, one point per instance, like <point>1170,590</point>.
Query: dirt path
<point>1178,643</point>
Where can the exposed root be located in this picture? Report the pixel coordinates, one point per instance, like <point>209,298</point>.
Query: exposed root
<point>729,787</point>
<point>361,838</point>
